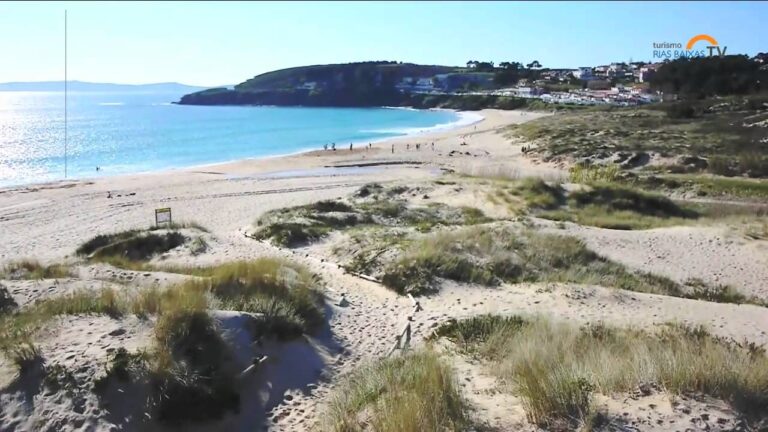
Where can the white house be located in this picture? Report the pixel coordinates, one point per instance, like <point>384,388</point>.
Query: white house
<point>583,73</point>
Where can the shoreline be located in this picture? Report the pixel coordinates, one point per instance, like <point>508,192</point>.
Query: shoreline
<point>228,196</point>
<point>460,122</point>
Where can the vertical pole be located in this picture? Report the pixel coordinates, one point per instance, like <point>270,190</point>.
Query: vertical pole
<point>65,93</point>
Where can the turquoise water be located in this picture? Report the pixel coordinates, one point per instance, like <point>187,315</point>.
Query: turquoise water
<point>130,133</point>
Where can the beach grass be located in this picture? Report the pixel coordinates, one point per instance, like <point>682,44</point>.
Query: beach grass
<point>557,368</point>
<point>33,269</point>
<point>410,393</point>
<point>491,255</point>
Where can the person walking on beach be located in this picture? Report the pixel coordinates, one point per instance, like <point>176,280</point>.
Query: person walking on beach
<point>350,146</point>
<point>433,146</point>
<point>325,146</point>
<point>333,146</point>
<point>408,146</point>
<point>393,149</point>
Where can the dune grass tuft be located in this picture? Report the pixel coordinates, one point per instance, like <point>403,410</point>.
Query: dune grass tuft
<point>32,269</point>
<point>586,174</point>
<point>281,290</point>
<point>413,393</point>
<point>556,368</point>
<point>191,369</point>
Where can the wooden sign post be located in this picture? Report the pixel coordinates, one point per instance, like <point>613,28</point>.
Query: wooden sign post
<point>163,216</point>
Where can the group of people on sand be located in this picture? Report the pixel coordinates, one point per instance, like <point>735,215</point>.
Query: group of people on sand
<point>417,146</point>
<point>333,146</point>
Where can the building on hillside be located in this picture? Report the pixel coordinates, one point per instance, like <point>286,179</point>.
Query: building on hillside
<point>583,73</point>
<point>309,85</point>
<point>420,85</point>
<point>616,70</point>
<point>600,71</point>
<point>529,91</point>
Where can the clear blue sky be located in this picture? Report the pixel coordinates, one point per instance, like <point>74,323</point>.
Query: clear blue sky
<point>226,43</point>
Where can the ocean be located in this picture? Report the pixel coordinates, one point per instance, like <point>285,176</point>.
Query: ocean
<point>126,133</point>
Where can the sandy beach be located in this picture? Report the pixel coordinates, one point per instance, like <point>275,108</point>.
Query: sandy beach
<point>47,222</point>
<point>230,196</point>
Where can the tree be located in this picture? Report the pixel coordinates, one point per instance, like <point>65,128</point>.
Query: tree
<point>472,64</point>
<point>484,66</point>
<point>534,65</point>
<point>709,76</point>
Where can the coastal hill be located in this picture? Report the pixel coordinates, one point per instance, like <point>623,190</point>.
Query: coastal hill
<point>506,85</point>
<point>83,86</point>
<point>373,83</point>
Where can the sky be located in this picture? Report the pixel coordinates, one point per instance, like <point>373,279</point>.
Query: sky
<point>210,44</point>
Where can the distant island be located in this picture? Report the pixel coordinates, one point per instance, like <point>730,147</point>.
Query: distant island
<point>483,84</point>
<point>82,86</point>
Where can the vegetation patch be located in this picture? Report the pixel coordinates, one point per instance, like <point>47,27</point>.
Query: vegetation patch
<point>727,132</point>
<point>614,206</point>
<point>373,205</point>
<point>295,226</point>
<point>412,393</point>
<point>284,292</point>
<point>140,247</point>
<point>707,186</point>
<point>557,368</point>
<point>32,269</point>
<point>489,255</point>
<point>192,376</point>
<point>535,193</point>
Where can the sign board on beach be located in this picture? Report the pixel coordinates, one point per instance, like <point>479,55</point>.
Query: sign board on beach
<point>163,216</point>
